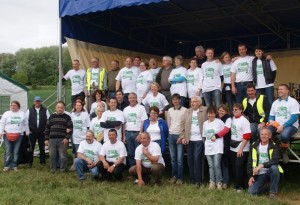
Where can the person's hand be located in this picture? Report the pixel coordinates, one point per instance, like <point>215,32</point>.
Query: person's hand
<point>256,169</point>
<point>213,138</point>
<point>179,140</point>
<point>184,141</point>
<point>251,181</point>
<point>233,90</point>
<point>279,129</point>
<point>65,142</point>
<point>110,169</point>
<point>239,153</point>
<point>141,182</point>
<point>46,142</point>
<point>145,151</point>
<point>234,59</point>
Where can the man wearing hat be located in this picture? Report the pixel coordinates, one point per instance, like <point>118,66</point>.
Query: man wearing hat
<point>37,117</point>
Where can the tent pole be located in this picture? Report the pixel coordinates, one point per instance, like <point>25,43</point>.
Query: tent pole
<point>59,86</point>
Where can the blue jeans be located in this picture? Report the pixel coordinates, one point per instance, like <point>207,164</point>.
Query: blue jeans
<point>176,153</point>
<point>241,91</point>
<point>254,131</point>
<point>11,152</point>
<point>272,175</point>
<point>229,99</point>
<point>214,164</point>
<point>285,134</point>
<point>216,95</point>
<point>81,167</point>
<point>131,145</point>
<point>75,148</point>
<point>268,92</point>
<point>194,158</point>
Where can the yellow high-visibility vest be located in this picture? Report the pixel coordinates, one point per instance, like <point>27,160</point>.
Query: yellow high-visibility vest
<point>259,105</point>
<point>255,161</point>
<point>89,77</point>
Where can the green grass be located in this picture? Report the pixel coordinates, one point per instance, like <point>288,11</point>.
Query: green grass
<point>38,186</point>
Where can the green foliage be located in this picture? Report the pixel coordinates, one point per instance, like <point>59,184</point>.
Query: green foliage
<point>40,65</point>
<point>20,77</point>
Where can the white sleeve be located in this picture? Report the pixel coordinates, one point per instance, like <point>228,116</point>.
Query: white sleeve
<point>144,113</point>
<point>272,111</point>
<point>80,148</point>
<point>295,107</point>
<point>103,117</point>
<point>228,123</point>
<point>164,101</point>
<point>150,77</point>
<point>67,76</point>
<point>171,75</point>
<point>137,153</point>
<point>156,150</point>
<point>233,67</point>
<point>123,152</point>
<point>103,150</point>
<point>119,76</point>
<point>273,66</point>
<point>87,120</point>
<point>48,114</point>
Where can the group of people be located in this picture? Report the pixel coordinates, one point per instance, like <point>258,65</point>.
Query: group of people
<point>223,109</point>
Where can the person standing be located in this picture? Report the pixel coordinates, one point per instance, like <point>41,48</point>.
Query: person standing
<point>143,81</point>
<point>57,134</point>
<point>77,78</point>
<point>111,78</point>
<point>163,76</point>
<point>200,56</point>
<point>194,79</point>
<point>96,79</point>
<point>12,126</point>
<point>37,117</point>
<point>153,68</point>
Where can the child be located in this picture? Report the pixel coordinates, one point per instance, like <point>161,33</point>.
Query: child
<point>213,147</point>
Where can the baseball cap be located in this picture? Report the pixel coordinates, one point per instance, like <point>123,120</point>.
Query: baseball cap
<point>37,98</point>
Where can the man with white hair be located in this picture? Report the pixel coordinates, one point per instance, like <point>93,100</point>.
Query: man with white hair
<point>163,76</point>
<point>201,58</point>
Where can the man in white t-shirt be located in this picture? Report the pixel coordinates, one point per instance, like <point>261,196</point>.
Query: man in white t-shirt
<point>112,157</point>
<point>88,156</point>
<point>212,77</point>
<point>241,73</point>
<point>263,165</point>
<point>112,119</point>
<point>134,115</point>
<point>149,160</point>
<point>283,118</point>
<point>77,77</point>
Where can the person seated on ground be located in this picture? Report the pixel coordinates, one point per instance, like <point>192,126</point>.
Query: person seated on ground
<point>87,156</point>
<point>112,157</point>
<point>256,109</point>
<point>149,160</point>
<point>263,164</point>
<point>283,118</point>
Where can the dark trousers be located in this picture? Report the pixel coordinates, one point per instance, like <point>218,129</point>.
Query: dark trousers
<point>40,138</point>
<point>239,165</point>
<point>117,173</point>
<point>195,155</point>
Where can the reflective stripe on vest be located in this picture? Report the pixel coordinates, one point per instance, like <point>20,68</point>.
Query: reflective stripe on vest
<point>254,159</point>
<point>259,105</point>
<point>89,77</point>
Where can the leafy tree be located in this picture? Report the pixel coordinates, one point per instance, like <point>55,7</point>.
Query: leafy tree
<point>20,77</point>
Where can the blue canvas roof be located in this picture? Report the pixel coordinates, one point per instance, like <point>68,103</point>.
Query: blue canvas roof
<point>177,26</point>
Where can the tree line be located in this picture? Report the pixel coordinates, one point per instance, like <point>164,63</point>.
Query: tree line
<point>34,66</point>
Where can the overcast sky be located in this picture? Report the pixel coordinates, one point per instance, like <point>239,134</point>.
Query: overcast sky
<point>28,24</point>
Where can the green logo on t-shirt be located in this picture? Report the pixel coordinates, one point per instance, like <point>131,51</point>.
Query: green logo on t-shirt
<point>78,124</point>
<point>226,72</point>
<point>190,79</point>
<point>127,75</point>
<point>89,154</point>
<point>195,120</point>
<point>140,79</point>
<point>209,133</point>
<point>282,112</point>
<point>259,70</point>
<point>154,104</point>
<point>15,120</point>
<point>111,119</point>
<point>131,117</point>
<point>233,131</point>
<point>209,73</point>
<point>243,67</point>
<point>113,154</point>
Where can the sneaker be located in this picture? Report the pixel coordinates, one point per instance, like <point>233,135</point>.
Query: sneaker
<point>6,169</point>
<point>212,185</point>
<point>219,185</point>
<point>173,180</point>
<point>238,191</point>
<point>72,168</point>
<point>15,169</point>
<point>224,186</point>
<point>136,181</point>
<point>285,156</point>
<point>272,196</point>
<point>179,182</point>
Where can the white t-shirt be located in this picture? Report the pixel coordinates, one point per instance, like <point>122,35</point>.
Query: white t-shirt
<point>154,131</point>
<point>116,115</point>
<point>212,72</point>
<point>159,101</point>
<point>240,126</point>
<point>210,129</point>
<point>154,73</point>
<point>95,105</point>
<point>77,78</point>
<point>128,77</point>
<point>91,151</point>
<point>95,76</point>
<point>113,152</point>
<point>263,157</point>
<point>134,116</point>
<point>143,83</point>
<point>14,122</point>
<point>179,87</point>
<point>261,81</point>
<point>226,74</point>
<point>242,67</point>
<point>154,150</point>
<point>95,126</point>
<point>283,109</point>
<point>81,121</point>
<point>195,130</point>
<point>194,80</point>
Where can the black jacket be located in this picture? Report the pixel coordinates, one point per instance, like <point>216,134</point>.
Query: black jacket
<point>32,120</point>
<point>268,73</point>
<point>251,112</point>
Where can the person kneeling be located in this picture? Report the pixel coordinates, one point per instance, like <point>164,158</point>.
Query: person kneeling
<point>112,157</point>
<point>263,164</point>
<point>87,156</point>
<point>149,160</point>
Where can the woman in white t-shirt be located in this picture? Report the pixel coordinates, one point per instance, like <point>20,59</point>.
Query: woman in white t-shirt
<point>239,145</point>
<point>143,81</point>
<point>97,96</point>
<point>213,147</point>
<point>12,125</point>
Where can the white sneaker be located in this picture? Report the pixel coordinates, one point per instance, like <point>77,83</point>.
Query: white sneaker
<point>136,181</point>
<point>212,185</point>
<point>15,169</point>
<point>5,169</point>
<point>219,185</point>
